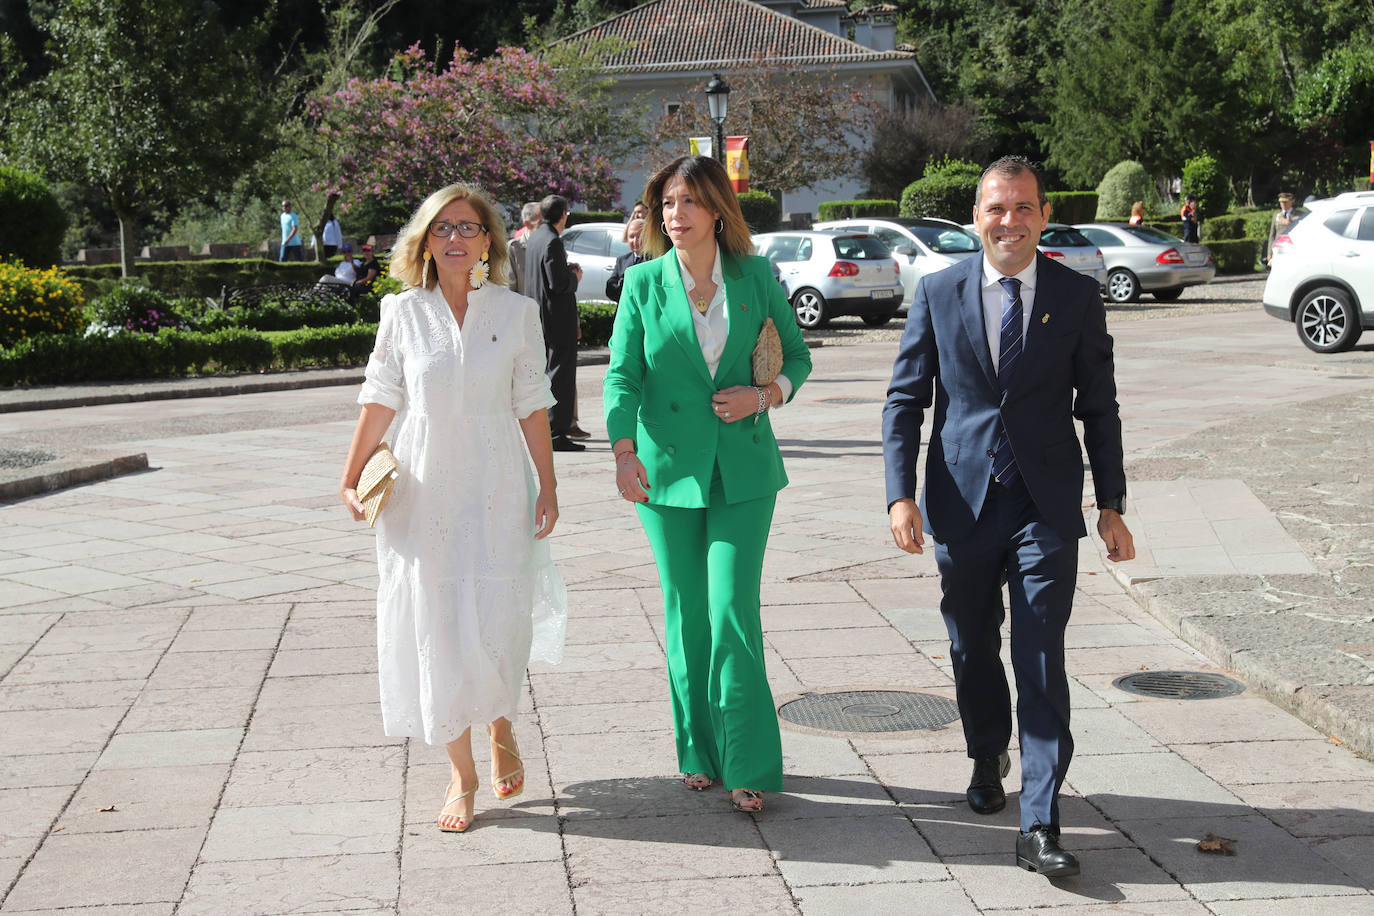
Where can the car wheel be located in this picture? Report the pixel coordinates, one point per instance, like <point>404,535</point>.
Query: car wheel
<point>1168,295</point>
<point>1122,286</point>
<point>877,321</point>
<point>809,307</point>
<point>1326,320</point>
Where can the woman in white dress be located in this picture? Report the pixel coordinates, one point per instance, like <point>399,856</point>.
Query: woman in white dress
<point>467,591</point>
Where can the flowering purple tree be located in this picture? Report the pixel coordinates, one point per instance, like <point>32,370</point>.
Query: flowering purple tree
<point>503,123</point>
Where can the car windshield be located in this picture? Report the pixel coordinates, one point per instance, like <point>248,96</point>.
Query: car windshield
<point>860,248</point>
<point>946,239</point>
<point>1150,234</point>
<point>1065,238</point>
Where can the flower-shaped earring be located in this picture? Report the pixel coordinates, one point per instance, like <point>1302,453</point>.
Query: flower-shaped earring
<point>477,277</point>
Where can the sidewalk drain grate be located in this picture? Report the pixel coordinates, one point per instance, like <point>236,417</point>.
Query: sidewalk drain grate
<point>869,711</point>
<point>24,457</point>
<point>1179,685</point>
<point>852,400</point>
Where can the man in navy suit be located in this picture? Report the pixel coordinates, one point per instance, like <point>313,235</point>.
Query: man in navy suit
<point>1010,347</point>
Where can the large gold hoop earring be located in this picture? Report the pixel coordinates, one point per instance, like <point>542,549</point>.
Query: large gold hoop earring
<point>720,225</point>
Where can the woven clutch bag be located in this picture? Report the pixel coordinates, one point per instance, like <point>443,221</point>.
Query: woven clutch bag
<point>767,358</point>
<point>376,482</point>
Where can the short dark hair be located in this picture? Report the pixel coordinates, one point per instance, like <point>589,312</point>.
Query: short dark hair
<point>1013,167</point>
<point>552,208</point>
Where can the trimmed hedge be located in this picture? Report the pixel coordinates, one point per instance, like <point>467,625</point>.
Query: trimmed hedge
<point>760,210</point>
<point>273,315</point>
<point>199,279</point>
<point>856,209</point>
<point>1204,179</point>
<point>1072,206</point>
<point>1123,185</point>
<point>1236,256</point>
<point>50,359</point>
<point>1223,228</point>
<point>597,320</point>
<point>34,221</point>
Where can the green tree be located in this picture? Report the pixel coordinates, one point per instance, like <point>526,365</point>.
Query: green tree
<point>34,220</point>
<point>1203,179</point>
<point>1143,84</point>
<point>149,100</point>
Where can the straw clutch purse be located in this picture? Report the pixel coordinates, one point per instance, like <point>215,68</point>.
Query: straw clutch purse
<point>767,358</point>
<point>376,482</point>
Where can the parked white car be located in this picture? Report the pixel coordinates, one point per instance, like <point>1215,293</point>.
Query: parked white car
<point>594,247</point>
<point>921,246</point>
<point>1321,273</point>
<point>834,273</point>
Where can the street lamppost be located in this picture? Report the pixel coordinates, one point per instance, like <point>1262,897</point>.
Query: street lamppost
<point>718,102</point>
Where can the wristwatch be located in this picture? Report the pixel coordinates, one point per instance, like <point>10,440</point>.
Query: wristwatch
<point>1115,503</point>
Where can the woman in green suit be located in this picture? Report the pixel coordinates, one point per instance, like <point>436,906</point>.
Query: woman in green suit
<point>694,448</point>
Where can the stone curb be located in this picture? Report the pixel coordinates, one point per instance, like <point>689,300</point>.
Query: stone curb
<point>71,472</point>
<point>1343,712</point>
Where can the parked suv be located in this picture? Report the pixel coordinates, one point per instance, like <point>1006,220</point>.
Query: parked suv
<point>1321,273</point>
<point>834,273</point>
<point>921,246</point>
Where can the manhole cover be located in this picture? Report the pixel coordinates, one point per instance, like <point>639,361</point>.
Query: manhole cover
<point>852,400</point>
<point>24,457</point>
<point>1179,685</point>
<point>870,711</point>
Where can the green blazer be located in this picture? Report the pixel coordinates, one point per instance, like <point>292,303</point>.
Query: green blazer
<point>658,391</point>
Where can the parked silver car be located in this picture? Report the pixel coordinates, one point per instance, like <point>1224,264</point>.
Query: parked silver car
<point>829,273</point>
<point>1071,248</point>
<point>921,246</point>
<point>594,247</point>
<point>1321,273</point>
<point>1143,259</point>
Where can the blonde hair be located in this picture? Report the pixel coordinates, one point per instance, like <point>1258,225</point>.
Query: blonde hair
<point>407,255</point>
<point>710,184</point>
<point>1138,208</point>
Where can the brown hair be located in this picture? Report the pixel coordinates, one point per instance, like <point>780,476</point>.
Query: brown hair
<point>1013,167</point>
<point>711,185</point>
<point>407,255</point>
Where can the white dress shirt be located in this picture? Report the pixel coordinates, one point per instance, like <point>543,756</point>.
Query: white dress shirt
<point>994,296</point>
<point>713,328</point>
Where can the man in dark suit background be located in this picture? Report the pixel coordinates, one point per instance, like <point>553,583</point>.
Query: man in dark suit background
<point>616,281</point>
<point>1010,348</point>
<point>552,282</point>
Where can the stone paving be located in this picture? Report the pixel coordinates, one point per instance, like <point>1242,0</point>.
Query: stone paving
<point>188,718</point>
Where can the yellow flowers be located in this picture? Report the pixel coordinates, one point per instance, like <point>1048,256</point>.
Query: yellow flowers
<point>37,301</point>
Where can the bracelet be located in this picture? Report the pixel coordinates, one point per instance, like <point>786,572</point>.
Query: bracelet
<point>623,452</point>
<point>763,403</point>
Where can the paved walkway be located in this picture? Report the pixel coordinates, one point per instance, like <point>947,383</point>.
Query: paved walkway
<point>188,717</point>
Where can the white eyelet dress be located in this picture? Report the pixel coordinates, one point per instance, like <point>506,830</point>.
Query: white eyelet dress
<point>466,595</point>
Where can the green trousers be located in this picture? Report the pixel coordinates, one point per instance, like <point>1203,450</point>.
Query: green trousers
<point>710,564</point>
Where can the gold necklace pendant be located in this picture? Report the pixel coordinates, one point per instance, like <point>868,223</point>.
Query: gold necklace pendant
<point>701,305</point>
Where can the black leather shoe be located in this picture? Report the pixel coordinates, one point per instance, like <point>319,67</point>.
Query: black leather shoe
<point>985,795</point>
<point>564,444</point>
<point>1039,851</point>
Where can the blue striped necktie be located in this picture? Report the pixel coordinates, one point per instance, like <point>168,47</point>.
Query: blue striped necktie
<point>1004,462</point>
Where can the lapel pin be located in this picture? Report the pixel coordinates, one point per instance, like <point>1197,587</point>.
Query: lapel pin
<point>1045,318</point>
<point>744,308</point>
<point>493,338</point>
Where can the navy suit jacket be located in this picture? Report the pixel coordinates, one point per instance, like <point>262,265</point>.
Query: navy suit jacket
<point>1066,371</point>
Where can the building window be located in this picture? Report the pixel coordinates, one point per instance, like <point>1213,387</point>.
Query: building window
<point>671,109</point>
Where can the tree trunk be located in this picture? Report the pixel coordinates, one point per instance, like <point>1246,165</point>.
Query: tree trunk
<point>125,214</point>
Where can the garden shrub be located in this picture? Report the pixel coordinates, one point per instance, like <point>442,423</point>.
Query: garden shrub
<point>1235,256</point>
<point>946,190</point>
<point>200,279</point>
<point>597,319</point>
<point>760,210</point>
<point>1203,178</point>
<point>37,302</point>
<point>1223,228</point>
<point>1072,206</point>
<point>856,209</point>
<point>133,308</point>
<point>1257,224</point>
<point>48,359</point>
<point>34,221</point>
<point>1123,185</point>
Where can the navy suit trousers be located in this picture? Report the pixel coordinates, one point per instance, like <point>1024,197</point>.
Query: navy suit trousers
<point>1012,542</point>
